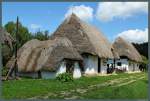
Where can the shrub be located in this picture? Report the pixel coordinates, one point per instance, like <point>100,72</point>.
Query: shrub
<point>4,71</point>
<point>120,70</point>
<point>65,77</point>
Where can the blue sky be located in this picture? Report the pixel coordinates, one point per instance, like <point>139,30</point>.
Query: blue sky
<point>130,22</point>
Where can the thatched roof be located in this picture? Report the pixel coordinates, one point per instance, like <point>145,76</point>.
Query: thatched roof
<point>115,53</point>
<point>124,48</point>
<point>36,55</point>
<point>84,37</point>
<point>6,38</point>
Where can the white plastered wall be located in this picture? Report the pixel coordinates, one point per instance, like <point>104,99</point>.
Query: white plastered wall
<point>61,69</point>
<point>103,66</point>
<point>91,64</point>
<point>77,70</point>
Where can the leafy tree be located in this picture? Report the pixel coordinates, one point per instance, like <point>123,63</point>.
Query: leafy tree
<point>142,48</point>
<point>11,28</point>
<point>23,33</point>
<point>23,36</point>
<point>41,35</point>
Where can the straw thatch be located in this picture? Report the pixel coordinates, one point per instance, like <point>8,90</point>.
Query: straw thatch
<point>115,54</point>
<point>84,37</point>
<point>6,38</point>
<point>124,48</point>
<point>47,55</point>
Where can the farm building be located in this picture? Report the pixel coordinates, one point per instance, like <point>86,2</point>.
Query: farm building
<point>91,44</point>
<point>129,57</point>
<point>47,59</point>
<point>6,38</point>
<point>75,47</point>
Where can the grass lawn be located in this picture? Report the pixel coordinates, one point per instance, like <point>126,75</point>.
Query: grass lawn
<point>121,86</point>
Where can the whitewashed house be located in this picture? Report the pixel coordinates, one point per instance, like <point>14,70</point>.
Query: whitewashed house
<point>47,59</point>
<point>130,59</point>
<point>89,42</point>
<point>75,47</point>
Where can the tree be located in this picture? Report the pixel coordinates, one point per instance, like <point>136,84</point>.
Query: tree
<point>142,48</point>
<point>23,36</point>
<point>23,33</point>
<point>41,35</point>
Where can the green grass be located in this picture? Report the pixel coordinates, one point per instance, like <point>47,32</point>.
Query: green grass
<point>136,90</point>
<point>27,88</point>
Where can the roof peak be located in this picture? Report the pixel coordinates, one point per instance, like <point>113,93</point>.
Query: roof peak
<point>73,17</point>
<point>120,38</point>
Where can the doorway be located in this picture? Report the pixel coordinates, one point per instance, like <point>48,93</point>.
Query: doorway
<point>99,65</point>
<point>69,66</point>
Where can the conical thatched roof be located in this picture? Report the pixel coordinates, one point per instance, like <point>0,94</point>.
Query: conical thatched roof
<point>6,38</point>
<point>124,48</point>
<point>84,37</point>
<point>36,55</point>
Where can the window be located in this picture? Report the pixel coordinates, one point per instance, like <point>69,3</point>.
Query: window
<point>129,63</point>
<point>104,62</point>
<point>119,64</point>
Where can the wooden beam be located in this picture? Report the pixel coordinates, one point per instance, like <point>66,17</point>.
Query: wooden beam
<point>17,26</point>
<point>10,70</point>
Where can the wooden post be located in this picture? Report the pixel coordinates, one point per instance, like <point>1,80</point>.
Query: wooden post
<point>16,35</point>
<point>14,66</point>
<point>1,64</point>
<point>10,70</point>
<point>114,64</point>
<point>39,75</point>
<point>133,66</point>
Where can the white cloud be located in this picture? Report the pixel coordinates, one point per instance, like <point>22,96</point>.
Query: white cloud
<point>82,11</point>
<point>107,11</point>
<point>137,35</point>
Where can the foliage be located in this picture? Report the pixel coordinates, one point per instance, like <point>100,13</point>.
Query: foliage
<point>142,48</point>
<point>4,71</point>
<point>23,36</point>
<point>23,33</point>
<point>145,60</point>
<point>118,71</point>
<point>65,77</point>
<point>41,35</point>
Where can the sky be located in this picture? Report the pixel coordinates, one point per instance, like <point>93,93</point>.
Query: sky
<point>126,19</point>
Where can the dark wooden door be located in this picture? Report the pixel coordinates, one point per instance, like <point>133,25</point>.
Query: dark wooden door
<point>70,66</point>
<point>99,65</point>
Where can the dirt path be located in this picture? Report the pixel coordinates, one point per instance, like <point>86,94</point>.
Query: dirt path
<point>70,94</point>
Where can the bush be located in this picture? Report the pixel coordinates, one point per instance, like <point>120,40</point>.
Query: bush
<point>120,70</point>
<point>4,71</point>
<point>65,77</point>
